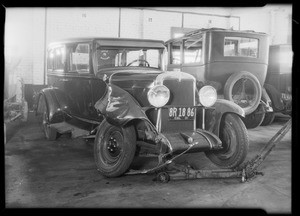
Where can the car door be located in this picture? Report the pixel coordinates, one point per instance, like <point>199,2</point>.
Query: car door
<point>175,56</point>
<point>193,57</point>
<point>77,82</point>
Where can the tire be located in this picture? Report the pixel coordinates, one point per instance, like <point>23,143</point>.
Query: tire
<point>269,118</point>
<point>43,118</point>
<point>114,149</point>
<point>235,142</point>
<point>275,96</point>
<point>255,119</point>
<point>241,86</point>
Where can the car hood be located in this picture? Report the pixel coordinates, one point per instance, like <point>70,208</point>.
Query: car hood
<point>129,78</point>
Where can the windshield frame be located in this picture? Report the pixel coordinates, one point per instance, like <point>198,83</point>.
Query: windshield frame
<point>161,52</point>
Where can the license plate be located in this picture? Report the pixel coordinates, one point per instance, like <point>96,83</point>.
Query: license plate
<point>181,113</point>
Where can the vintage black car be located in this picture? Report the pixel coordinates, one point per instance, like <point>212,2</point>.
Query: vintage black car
<point>279,80</point>
<point>234,62</point>
<point>116,91</point>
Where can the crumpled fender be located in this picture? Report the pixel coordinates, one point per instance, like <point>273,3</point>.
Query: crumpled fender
<point>119,107</point>
<point>214,116</point>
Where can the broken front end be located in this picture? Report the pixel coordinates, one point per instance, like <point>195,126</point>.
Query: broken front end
<point>167,117</point>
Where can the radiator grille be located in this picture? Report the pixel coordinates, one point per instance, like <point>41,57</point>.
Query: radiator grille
<point>181,94</point>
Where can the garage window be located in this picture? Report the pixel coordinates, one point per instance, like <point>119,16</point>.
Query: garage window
<point>241,47</point>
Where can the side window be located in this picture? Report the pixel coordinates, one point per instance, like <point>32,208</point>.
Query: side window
<point>175,57</point>
<point>192,50</point>
<point>56,59</point>
<point>242,47</point>
<point>80,58</point>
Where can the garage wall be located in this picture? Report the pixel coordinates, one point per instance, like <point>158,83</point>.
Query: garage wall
<point>28,30</point>
<point>131,23</point>
<point>204,21</point>
<point>157,24</point>
<point>81,22</point>
<point>275,20</point>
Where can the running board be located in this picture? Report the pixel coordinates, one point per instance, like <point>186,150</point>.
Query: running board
<point>64,127</point>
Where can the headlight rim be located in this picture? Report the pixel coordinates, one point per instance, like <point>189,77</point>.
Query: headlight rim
<point>202,89</point>
<point>152,90</point>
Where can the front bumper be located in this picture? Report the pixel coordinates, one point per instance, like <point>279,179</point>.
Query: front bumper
<point>201,140</point>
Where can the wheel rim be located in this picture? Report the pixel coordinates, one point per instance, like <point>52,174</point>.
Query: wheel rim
<point>112,147</point>
<point>243,93</point>
<point>229,142</point>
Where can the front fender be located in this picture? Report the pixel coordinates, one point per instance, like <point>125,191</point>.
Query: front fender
<point>214,116</point>
<point>119,107</point>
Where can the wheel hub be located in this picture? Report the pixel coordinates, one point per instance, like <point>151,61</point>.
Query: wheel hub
<point>113,145</point>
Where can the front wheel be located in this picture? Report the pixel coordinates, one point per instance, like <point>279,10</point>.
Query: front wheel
<point>114,149</point>
<point>235,143</point>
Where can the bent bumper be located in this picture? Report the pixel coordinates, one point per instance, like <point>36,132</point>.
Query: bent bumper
<point>201,140</point>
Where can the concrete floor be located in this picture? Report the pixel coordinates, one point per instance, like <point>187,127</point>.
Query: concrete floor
<point>62,173</point>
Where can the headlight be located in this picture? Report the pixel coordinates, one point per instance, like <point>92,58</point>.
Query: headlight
<point>159,95</point>
<point>207,96</point>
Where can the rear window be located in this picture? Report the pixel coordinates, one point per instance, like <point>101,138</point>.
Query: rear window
<point>241,47</point>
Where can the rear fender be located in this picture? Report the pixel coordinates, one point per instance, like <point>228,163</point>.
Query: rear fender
<point>57,104</point>
<point>119,107</point>
<point>213,117</point>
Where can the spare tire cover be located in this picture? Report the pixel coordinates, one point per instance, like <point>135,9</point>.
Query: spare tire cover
<point>244,89</point>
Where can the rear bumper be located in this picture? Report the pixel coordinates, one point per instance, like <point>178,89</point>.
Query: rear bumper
<point>201,140</point>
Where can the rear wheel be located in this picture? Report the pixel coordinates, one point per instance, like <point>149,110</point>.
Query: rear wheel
<point>114,149</point>
<point>43,118</point>
<point>255,119</point>
<point>269,118</point>
<point>235,142</point>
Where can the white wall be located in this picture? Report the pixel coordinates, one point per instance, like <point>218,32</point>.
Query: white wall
<point>81,22</point>
<point>274,20</point>
<point>26,29</point>
<point>157,24</point>
<point>131,23</point>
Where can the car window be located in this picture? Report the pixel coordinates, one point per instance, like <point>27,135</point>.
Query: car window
<point>192,51</point>
<point>175,57</point>
<point>80,58</point>
<point>56,59</point>
<point>134,57</point>
<point>240,46</point>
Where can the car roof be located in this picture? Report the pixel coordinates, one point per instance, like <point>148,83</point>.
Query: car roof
<point>199,31</point>
<point>106,41</point>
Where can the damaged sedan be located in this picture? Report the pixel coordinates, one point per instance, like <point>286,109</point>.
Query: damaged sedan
<point>117,92</point>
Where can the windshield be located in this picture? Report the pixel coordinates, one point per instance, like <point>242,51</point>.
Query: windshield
<point>108,57</point>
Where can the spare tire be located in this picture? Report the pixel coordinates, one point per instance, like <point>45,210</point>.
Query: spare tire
<point>244,89</point>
